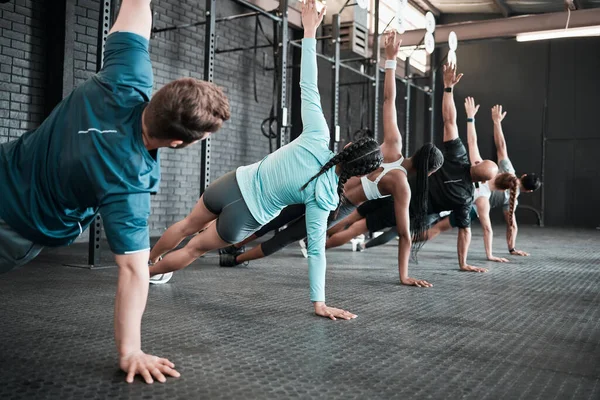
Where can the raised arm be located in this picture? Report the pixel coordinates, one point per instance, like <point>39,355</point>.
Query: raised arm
<point>471,110</point>
<point>448,106</point>
<point>316,229</point>
<point>497,117</point>
<point>392,139</point>
<point>313,120</point>
<point>401,195</point>
<point>135,16</point>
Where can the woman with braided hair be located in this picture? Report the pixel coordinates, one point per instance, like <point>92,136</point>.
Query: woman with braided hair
<point>304,171</point>
<point>389,179</point>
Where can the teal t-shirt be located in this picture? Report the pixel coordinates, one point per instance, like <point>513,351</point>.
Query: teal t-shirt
<point>87,157</point>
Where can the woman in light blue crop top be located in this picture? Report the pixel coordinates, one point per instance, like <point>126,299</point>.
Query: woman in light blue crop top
<point>304,171</point>
<point>389,179</point>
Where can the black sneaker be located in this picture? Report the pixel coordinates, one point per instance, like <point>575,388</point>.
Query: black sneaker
<point>228,260</point>
<point>232,250</point>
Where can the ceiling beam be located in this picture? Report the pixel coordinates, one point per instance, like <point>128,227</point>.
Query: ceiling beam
<point>417,6</point>
<point>430,7</point>
<point>505,27</point>
<point>504,8</point>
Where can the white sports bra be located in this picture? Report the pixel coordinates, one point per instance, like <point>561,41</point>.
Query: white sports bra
<point>371,187</point>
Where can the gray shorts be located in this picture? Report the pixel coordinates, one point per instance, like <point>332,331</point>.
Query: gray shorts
<point>15,250</point>
<point>223,197</point>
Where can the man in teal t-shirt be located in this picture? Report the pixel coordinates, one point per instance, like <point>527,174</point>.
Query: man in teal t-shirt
<point>97,152</point>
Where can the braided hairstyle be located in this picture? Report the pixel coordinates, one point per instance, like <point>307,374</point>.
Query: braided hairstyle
<point>508,181</point>
<point>426,160</point>
<point>359,158</point>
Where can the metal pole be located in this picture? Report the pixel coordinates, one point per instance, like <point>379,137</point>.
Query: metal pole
<point>375,61</point>
<point>321,56</point>
<point>263,12</point>
<point>200,23</point>
<point>282,117</point>
<point>407,108</point>
<point>262,46</point>
<point>209,67</point>
<point>95,229</point>
<point>356,71</point>
<point>545,140</point>
<point>335,84</point>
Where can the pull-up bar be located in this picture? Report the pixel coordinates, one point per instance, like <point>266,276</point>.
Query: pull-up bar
<point>201,23</point>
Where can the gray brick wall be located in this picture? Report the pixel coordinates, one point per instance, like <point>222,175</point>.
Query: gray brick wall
<point>22,63</point>
<point>181,54</point>
<point>87,13</point>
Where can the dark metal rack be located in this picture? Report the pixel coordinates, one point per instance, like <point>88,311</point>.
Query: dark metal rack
<point>107,10</point>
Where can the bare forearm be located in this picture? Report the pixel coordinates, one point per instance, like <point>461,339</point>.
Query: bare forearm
<point>464,240</point>
<point>130,302</point>
<point>499,140</point>
<point>488,238</point>
<point>389,89</point>
<point>404,245</point>
<point>511,236</point>
<point>448,108</point>
<point>472,141</point>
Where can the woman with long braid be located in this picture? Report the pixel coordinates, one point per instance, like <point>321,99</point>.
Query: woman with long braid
<point>390,179</point>
<point>304,171</point>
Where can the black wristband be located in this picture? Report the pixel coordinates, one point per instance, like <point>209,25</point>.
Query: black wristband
<point>511,250</point>
<point>448,89</point>
<point>470,119</point>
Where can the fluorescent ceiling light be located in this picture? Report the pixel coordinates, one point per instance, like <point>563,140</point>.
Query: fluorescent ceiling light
<point>559,33</point>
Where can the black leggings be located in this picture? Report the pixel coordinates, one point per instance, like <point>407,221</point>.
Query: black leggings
<point>392,232</point>
<point>296,230</point>
<point>385,237</point>
<point>287,215</point>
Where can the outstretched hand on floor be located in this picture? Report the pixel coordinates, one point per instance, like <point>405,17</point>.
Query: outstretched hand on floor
<point>415,282</point>
<point>332,313</point>
<point>148,366</point>
<point>498,259</point>
<point>470,268</point>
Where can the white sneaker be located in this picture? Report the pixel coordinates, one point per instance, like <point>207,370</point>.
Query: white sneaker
<point>303,249</point>
<point>356,242</point>
<point>161,278</point>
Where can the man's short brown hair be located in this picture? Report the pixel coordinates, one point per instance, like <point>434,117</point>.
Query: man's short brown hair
<point>185,110</point>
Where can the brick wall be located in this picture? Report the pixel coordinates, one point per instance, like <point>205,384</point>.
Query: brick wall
<point>181,54</point>
<point>87,13</point>
<point>22,67</point>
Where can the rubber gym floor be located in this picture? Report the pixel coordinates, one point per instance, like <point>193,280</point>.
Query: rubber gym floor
<point>525,330</point>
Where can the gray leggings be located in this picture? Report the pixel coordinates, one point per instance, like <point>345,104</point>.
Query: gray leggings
<point>296,230</point>
<point>15,250</point>
<point>223,197</point>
